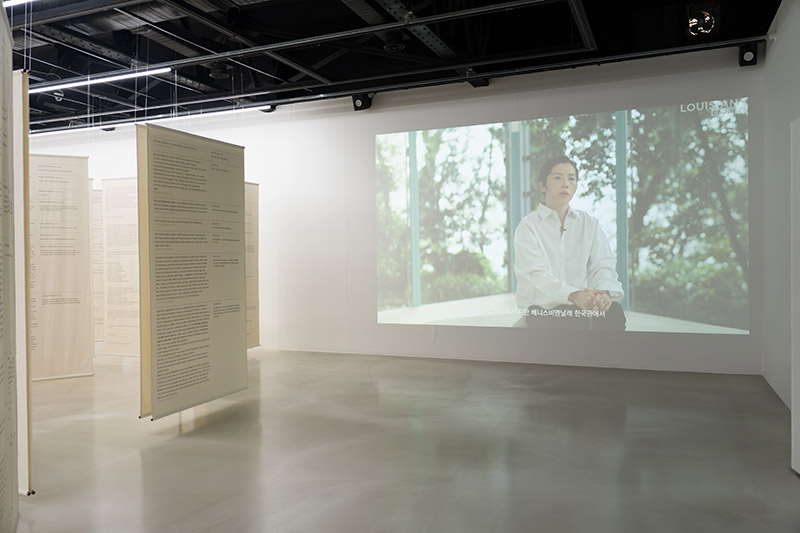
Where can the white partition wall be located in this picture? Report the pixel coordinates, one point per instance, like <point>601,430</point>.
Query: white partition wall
<point>60,327</point>
<point>121,267</point>
<point>191,270</point>
<point>782,106</point>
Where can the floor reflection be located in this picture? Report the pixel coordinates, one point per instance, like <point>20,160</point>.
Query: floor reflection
<point>366,443</point>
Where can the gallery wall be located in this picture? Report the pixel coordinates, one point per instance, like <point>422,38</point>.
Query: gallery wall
<point>315,164</point>
<point>782,106</point>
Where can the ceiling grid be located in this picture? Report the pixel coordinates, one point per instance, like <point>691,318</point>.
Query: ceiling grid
<point>224,54</point>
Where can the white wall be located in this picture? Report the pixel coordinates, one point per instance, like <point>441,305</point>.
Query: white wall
<point>315,165</point>
<point>782,106</point>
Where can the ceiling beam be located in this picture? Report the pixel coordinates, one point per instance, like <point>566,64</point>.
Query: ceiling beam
<point>191,42</point>
<point>579,15</point>
<point>422,32</point>
<point>572,63</point>
<point>231,33</point>
<point>105,53</point>
<point>308,41</point>
<point>64,12</point>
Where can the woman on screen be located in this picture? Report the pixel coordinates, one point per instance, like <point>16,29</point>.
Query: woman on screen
<point>566,272</point>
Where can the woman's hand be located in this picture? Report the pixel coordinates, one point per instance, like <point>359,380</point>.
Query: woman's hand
<point>602,301</point>
<point>583,299</point>
<point>591,300</point>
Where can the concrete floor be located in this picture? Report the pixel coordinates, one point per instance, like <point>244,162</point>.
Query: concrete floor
<point>352,443</point>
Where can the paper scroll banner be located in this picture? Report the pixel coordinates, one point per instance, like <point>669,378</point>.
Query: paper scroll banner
<point>9,501</point>
<point>98,285</point>
<point>121,267</point>
<point>60,329</point>
<point>251,260</point>
<point>192,270</point>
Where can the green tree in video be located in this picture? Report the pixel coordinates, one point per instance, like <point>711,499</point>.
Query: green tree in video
<point>462,212</point>
<point>688,231</point>
<point>394,246</point>
<point>587,139</point>
<point>462,222</point>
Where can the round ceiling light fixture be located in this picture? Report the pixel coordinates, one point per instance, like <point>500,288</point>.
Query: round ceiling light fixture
<point>701,23</point>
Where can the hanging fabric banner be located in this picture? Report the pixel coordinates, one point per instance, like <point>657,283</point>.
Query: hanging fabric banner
<point>60,328</point>
<point>121,244</point>
<point>191,270</point>
<point>251,262</point>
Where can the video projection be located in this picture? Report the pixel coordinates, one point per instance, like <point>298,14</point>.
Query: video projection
<point>639,222</point>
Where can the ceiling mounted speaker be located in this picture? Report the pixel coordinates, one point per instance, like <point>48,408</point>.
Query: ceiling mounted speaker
<point>362,101</point>
<point>219,72</point>
<point>748,54</point>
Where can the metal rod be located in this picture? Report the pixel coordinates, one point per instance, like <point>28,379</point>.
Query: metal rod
<point>192,43</point>
<point>229,32</point>
<point>579,14</point>
<point>59,13</point>
<point>427,83</point>
<point>305,41</point>
<point>446,67</point>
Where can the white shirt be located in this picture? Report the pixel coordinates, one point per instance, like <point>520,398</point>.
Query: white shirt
<point>552,263</point>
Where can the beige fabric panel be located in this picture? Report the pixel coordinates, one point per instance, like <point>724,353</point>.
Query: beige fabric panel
<point>60,268</point>
<point>192,263</point>
<point>97,261</point>
<point>121,249</point>
<point>251,262</point>
<point>25,463</point>
<point>9,500</point>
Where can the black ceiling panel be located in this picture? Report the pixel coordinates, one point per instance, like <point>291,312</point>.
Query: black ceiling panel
<point>227,54</point>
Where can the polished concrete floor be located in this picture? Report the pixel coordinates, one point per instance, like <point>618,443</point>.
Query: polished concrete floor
<point>354,443</point>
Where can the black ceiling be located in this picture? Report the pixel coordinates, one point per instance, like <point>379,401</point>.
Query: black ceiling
<point>244,53</point>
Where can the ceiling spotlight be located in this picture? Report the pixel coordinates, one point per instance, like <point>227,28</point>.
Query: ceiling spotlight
<point>58,95</point>
<point>269,108</point>
<point>702,21</point>
<point>394,46</point>
<point>219,72</point>
<point>748,54</point>
<point>362,101</point>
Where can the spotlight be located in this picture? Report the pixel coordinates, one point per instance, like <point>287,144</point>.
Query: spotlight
<point>702,19</point>
<point>748,54</point>
<point>362,101</point>
<point>475,82</point>
<point>218,72</point>
<point>269,108</point>
<point>394,46</point>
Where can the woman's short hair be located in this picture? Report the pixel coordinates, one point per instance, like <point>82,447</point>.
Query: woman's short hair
<point>548,165</point>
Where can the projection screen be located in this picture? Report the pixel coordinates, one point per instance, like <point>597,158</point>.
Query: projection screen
<point>655,222</point>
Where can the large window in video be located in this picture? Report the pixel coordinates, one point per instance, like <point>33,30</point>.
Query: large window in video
<point>639,222</point>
